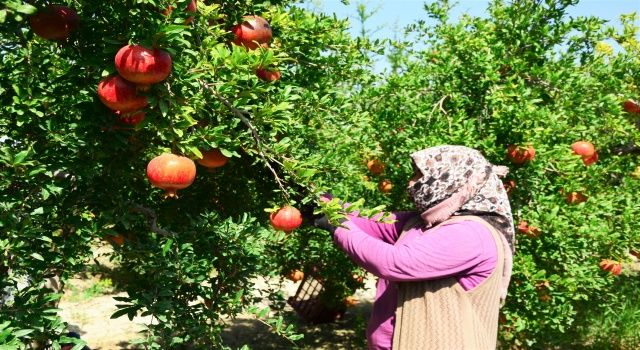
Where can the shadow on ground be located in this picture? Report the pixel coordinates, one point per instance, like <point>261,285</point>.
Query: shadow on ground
<point>345,334</point>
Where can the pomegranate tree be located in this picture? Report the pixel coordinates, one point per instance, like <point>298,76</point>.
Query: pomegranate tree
<point>171,173</point>
<point>141,65</point>
<point>120,95</point>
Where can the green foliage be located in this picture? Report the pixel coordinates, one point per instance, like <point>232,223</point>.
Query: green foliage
<point>70,173</point>
<point>528,75</point>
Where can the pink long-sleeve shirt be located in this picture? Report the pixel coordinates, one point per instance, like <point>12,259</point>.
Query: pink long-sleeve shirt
<point>464,249</point>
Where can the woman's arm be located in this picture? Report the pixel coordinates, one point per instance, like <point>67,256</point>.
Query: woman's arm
<point>387,232</point>
<point>445,251</point>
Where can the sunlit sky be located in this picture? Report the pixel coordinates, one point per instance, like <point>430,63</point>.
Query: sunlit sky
<point>391,16</point>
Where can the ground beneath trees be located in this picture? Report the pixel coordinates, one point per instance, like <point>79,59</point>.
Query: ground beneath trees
<point>88,304</point>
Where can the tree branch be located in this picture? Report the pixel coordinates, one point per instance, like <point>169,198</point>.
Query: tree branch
<point>152,219</point>
<point>242,115</point>
<point>630,148</point>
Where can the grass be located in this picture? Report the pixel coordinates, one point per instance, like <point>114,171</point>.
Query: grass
<point>95,289</point>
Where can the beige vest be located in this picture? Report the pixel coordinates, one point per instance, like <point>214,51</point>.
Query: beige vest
<point>441,315</point>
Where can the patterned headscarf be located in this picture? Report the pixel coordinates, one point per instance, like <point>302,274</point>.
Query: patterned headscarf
<point>458,180</point>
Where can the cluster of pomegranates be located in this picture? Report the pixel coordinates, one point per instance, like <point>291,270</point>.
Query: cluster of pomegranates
<point>376,168</point>
<point>138,68</point>
<point>584,149</point>
<point>252,33</point>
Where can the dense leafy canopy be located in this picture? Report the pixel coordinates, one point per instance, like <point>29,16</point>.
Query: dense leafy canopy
<point>527,75</point>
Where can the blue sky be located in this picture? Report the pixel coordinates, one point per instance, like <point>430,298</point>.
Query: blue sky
<point>393,15</point>
<point>399,13</point>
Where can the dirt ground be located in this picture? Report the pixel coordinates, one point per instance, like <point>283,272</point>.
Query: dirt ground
<point>88,313</point>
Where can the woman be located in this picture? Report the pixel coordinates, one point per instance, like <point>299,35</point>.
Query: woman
<point>443,270</point>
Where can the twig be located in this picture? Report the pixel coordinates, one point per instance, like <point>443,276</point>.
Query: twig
<point>630,148</point>
<point>242,114</point>
<point>152,218</point>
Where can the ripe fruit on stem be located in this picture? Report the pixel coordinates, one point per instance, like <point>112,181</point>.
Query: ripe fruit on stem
<point>509,186</point>
<point>529,231</point>
<point>350,301</point>
<point>385,186</point>
<point>295,275</point>
<point>375,167</point>
<point>519,154</point>
<point>141,65</point>
<point>611,266</point>
<point>116,240</point>
<point>268,74</point>
<point>54,22</point>
<point>286,219</point>
<point>631,106</point>
<point>171,172</point>
<point>576,198</point>
<point>120,95</point>
<point>131,118</point>
<point>253,32</point>
<point>583,148</point>
<point>212,158</point>
<point>191,8</point>
<point>590,160</point>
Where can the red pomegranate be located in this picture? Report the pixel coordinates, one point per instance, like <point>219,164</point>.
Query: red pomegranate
<point>286,219</point>
<point>590,160</point>
<point>631,106</point>
<point>54,22</point>
<point>131,118</point>
<point>171,172</point>
<point>191,8</point>
<point>212,158</point>
<point>120,95</point>
<point>529,231</point>
<point>141,65</point>
<point>253,32</point>
<point>519,154</point>
<point>575,198</point>
<point>271,74</point>
<point>612,266</point>
<point>583,148</point>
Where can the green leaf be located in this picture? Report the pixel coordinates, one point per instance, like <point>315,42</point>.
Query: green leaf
<point>195,151</point>
<point>20,157</point>
<point>164,108</point>
<point>37,256</point>
<point>167,246</point>
<point>26,9</point>
<point>3,16</point>
<point>226,153</point>
<point>22,332</point>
